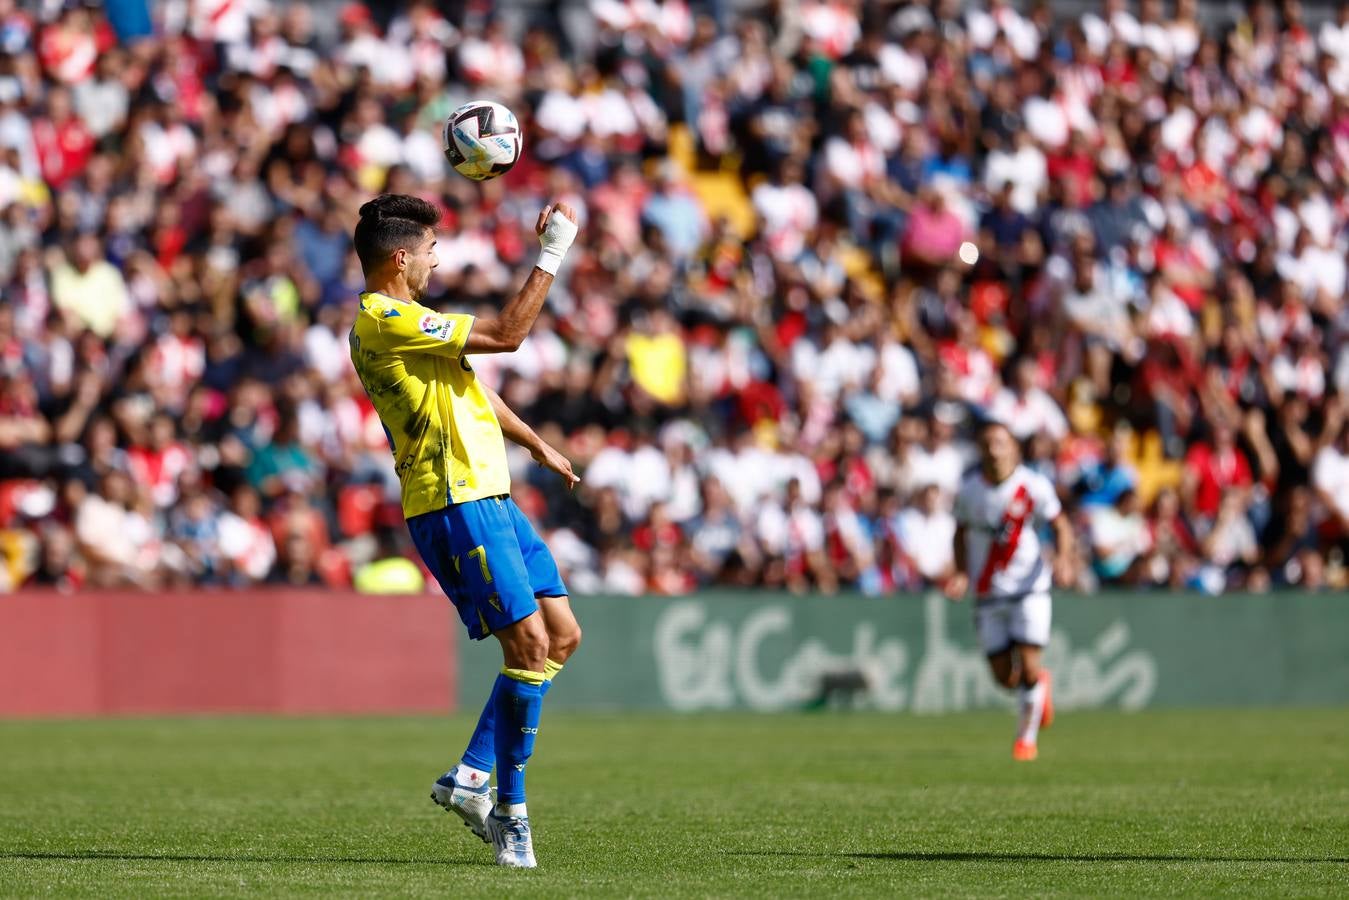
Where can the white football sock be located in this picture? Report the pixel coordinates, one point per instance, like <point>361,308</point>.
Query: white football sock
<point>1032,707</point>
<point>511,809</point>
<point>470,777</point>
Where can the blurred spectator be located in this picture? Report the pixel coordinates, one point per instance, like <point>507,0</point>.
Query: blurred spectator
<point>89,288</point>
<point>926,532</point>
<point>1292,555</point>
<point>768,347</point>
<point>1119,538</point>
<point>1026,407</point>
<point>1230,549</point>
<point>245,540</point>
<point>1330,478</point>
<point>131,557</point>
<point>1105,482</point>
<point>677,213</point>
<point>1214,471</point>
<point>391,571</point>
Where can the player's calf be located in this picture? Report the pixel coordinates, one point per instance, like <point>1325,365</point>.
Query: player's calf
<point>564,632</point>
<point>562,645</point>
<point>519,698</point>
<point>1033,700</point>
<point>1004,668</point>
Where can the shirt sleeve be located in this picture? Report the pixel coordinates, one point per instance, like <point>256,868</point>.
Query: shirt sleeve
<point>415,330</point>
<point>1046,498</point>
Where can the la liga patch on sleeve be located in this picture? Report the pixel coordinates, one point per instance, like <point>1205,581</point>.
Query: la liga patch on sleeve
<point>436,326</point>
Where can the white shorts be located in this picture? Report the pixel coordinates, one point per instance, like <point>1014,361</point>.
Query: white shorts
<point>1002,622</point>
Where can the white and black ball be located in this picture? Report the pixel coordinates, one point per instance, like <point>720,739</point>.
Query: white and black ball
<point>482,140</point>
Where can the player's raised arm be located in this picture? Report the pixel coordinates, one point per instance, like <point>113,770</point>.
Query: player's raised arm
<point>505,332</point>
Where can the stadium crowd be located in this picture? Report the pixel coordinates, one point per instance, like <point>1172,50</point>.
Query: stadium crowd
<point>818,241</point>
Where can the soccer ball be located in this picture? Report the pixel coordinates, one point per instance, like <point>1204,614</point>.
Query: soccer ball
<point>482,140</point>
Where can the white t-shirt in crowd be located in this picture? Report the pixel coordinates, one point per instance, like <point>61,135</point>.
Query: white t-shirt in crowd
<point>1031,414</point>
<point>1046,121</point>
<point>900,381</point>
<point>926,539</point>
<point>788,212</point>
<point>942,467</point>
<point>1117,538</point>
<point>852,165</point>
<point>1330,476</point>
<point>784,533</point>
<point>1026,169</point>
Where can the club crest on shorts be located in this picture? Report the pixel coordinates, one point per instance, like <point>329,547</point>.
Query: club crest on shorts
<point>436,326</point>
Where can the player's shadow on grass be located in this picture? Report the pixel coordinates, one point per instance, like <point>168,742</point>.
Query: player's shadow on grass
<point>118,856</point>
<point>994,856</point>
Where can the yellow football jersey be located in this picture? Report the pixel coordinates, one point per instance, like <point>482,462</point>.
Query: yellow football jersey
<point>446,441</point>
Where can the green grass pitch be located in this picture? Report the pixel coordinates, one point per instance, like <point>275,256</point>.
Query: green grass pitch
<point>830,804</point>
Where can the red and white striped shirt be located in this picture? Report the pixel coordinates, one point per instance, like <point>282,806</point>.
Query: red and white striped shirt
<point>1002,522</point>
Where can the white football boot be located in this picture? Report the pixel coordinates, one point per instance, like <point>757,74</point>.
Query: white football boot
<point>513,841</point>
<point>471,805</point>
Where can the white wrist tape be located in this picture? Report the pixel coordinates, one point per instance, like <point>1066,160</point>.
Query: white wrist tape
<point>556,239</point>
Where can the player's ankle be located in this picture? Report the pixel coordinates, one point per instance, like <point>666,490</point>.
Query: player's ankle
<point>470,776</point>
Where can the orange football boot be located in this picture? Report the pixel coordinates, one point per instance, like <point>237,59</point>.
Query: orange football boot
<point>1047,714</point>
<point>1024,751</point>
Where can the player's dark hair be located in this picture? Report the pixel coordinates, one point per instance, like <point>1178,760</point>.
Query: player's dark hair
<point>390,222</point>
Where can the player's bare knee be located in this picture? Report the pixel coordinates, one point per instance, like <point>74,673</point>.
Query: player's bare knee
<point>563,643</point>
<point>526,646</point>
<point>535,650</point>
<point>1004,672</point>
<point>1007,675</point>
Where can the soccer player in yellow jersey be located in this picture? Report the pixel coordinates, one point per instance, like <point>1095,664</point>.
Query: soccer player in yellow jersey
<point>446,432</point>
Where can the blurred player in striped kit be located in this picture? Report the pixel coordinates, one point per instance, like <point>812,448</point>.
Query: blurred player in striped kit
<point>1000,508</point>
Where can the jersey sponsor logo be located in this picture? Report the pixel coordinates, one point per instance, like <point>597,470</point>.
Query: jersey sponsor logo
<point>529,731</point>
<point>391,313</point>
<point>436,326</point>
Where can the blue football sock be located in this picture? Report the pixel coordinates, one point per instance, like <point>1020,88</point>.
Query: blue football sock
<point>482,751</point>
<point>519,696</point>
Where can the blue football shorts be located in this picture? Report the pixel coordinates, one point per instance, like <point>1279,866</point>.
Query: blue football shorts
<point>489,560</point>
